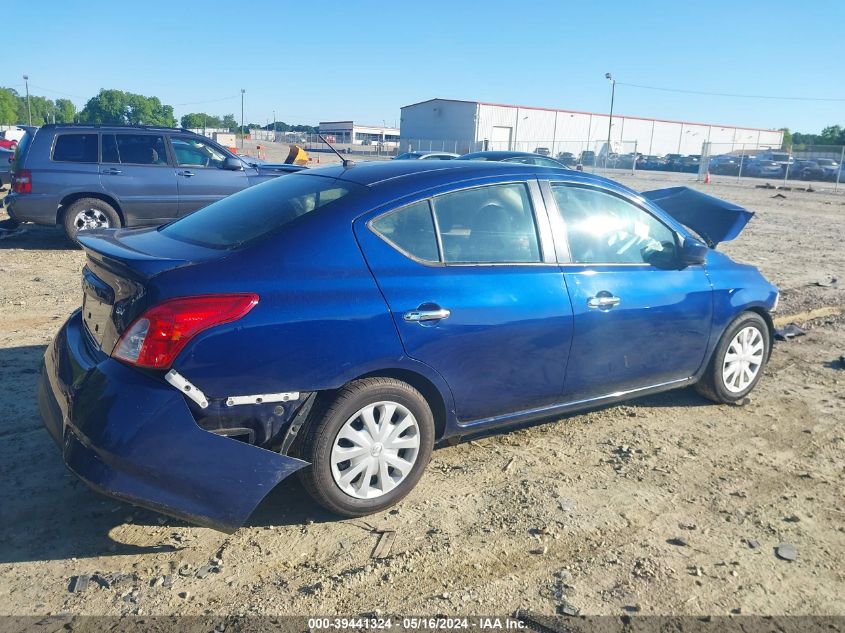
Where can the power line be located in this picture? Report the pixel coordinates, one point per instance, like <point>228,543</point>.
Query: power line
<point>58,92</point>
<point>730,94</point>
<point>210,101</point>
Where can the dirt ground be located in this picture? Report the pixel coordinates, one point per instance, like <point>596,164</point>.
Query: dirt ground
<point>665,505</point>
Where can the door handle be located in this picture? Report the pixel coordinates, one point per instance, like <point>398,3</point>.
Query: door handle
<point>186,174</point>
<point>603,300</point>
<point>415,316</point>
<point>111,171</point>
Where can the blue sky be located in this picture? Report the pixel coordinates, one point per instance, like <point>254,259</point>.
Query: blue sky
<point>327,60</point>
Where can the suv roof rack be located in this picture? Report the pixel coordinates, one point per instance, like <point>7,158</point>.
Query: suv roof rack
<point>97,126</point>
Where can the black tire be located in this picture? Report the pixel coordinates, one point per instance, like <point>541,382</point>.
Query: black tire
<point>98,209</point>
<point>712,384</point>
<point>327,421</point>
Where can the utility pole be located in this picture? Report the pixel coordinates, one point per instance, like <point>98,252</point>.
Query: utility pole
<point>274,126</point>
<point>242,119</point>
<point>28,107</point>
<point>610,119</point>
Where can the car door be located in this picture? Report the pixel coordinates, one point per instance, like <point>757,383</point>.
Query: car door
<point>200,173</point>
<point>135,170</point>
<point>639,318</point>
<point>475,293</point>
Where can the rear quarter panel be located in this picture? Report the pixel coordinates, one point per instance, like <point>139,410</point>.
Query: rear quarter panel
<point>320,321</point>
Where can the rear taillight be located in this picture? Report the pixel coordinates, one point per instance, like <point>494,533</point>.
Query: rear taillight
<point>156,337</point>
<point>22,181</point>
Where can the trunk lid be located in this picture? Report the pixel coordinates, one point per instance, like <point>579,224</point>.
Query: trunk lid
<point>714,219</point>
<point>115,281</point>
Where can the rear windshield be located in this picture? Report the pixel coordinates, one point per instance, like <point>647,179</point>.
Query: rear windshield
<point>20,152</point>
<point>258,211</point>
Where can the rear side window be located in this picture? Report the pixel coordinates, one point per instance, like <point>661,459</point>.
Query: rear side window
<point>258,211</point>
<point>75,148</point>
<point>492,224</point>
<point>411,230</point>
<point>135,149</point>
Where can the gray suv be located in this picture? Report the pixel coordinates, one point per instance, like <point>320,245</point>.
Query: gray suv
<point>89,176</point>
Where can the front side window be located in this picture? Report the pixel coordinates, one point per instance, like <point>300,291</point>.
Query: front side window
<point>491,224</point>
<point>75,148</point>
<point>410,229</point>
<point>191,152</point>
<point>135,149</point>
<point>605,229</point>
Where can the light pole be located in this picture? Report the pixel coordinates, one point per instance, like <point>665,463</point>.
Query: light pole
<point>274,126</point>
<point>28,108</point>
<point>242,119</point>
<point>609,77</point>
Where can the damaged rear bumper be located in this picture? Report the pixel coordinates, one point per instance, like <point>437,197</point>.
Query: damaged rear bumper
<point>132,437</point>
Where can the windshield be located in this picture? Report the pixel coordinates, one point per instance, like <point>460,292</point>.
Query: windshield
<point>258,211</point>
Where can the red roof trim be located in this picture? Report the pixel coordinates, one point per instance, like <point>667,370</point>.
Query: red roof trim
<point>621,116</point>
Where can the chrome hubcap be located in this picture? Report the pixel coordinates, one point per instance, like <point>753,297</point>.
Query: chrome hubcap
<point>91,219</point>
<point>375,450</point>
<point>743,359</point>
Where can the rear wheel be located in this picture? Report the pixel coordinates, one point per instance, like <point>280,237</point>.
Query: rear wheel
<point>738,361</point>
<point>368,447</point>
<point>89,213</point>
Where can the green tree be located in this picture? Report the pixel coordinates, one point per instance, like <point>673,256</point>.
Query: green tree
<point>832,135</point>
<point>787,138</point>
<point>196,120</point>
<point>65,111</point>
<point>115,107</point>
<point>229,122</point>
<point>8,106</point>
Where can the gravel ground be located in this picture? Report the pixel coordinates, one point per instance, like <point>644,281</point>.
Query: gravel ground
<point>665,505</point>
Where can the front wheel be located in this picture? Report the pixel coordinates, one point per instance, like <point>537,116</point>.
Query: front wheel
<point>368,447</point>
<point>738,361</point>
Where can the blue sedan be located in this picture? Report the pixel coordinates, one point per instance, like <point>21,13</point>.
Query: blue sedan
<point>339,322</point>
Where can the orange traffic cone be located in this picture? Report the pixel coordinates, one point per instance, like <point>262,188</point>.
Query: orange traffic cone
<point>707,178</point>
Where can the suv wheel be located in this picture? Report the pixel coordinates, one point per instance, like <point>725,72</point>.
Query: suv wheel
<point>368,447</point>
<point>738,361</point>
<point>89,213</point>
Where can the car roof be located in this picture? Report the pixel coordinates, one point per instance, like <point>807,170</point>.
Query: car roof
<point>93,126</point>
<point>422,174</point>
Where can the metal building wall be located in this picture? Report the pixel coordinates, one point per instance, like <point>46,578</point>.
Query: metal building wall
<point>524,128</point>
<point>447,122</point>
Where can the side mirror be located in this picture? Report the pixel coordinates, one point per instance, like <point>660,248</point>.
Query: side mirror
<point>693,252</point>
<point>232,163</point>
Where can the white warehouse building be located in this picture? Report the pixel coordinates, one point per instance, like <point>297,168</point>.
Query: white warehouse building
<point>464,126</point>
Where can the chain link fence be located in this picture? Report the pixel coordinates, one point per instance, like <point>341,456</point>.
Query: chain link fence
<point>818,167</point>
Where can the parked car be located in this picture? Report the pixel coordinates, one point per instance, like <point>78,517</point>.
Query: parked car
<point>9,138</point>
<point>815,169</point>
<point>567,158</point>
<point>690,164</point>
<point>653,162</point>
<point>727,165</point>
<point>346,319</point>
<point>674,162</point>
<point>6,157</point>
<point>587,158</point>
<point>543,151</point>
<point>761,168</point>
<point>426,156</point>
<point>781,158</point>
<point>526,158</point>
<point>85,177</point>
